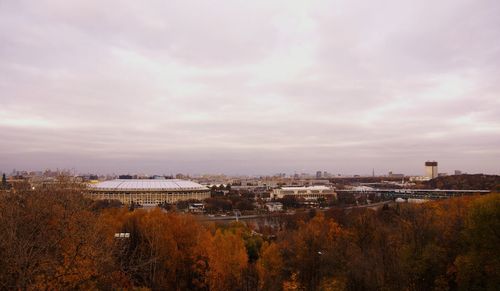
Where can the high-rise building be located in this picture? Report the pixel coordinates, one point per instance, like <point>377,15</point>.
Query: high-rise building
<point>431,169</point>
<point>318,175</point>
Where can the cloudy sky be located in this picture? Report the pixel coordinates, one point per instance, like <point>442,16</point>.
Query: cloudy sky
<point>250,87</point>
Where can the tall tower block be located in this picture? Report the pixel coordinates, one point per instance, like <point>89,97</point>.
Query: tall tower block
<point>431,169</point>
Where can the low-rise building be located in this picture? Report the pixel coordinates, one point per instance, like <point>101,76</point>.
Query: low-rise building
<point>196,207</point>
<point>419,179</point>
<point>310,192</point>
<point>274,206</point>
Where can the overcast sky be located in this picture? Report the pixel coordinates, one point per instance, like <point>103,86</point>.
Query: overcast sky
<point>250,87</point>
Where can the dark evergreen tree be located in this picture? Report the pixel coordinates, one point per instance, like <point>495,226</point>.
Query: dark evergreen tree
<point>4,182</point>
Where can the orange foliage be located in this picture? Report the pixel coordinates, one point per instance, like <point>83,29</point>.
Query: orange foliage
<point>54,239</point>
<point>227,259</point>
<point>270,267</point>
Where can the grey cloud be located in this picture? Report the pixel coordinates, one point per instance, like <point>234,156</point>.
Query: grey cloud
<point>249,87</point>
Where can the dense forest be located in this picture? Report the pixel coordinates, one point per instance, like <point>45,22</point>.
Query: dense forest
<point>54,238</point>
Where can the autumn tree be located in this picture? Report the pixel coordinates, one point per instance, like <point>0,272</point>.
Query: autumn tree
<point>371,250</point>
<point>227,260</point>
<point>51,240</point>
<point>270,267</point>
<point>164,250</point>
<point>478,267</point>
<point>314,251</point>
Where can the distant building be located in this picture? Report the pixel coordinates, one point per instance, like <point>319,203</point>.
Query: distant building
<point>400,200</point>
<point>181,176</point>
<point>362,188</point>
<point>419,178</point>
<point>458,172</point>
<point>431,169</point>
<point>318,175</point>
<point>314,182</point>
<point>311,192</point>
<point>274,206</point>
<point>196,207</point>
<point>393,175</point>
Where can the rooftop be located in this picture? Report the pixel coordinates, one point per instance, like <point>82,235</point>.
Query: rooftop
<point>136,184</point>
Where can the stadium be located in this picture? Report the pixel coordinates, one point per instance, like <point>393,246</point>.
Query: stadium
<point>148,191</point>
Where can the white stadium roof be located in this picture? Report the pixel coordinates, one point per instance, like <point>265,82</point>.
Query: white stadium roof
<point>148,184</point>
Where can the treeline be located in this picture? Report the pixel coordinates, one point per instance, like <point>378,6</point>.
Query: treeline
<point>56,239</point>
<point>465,182</point>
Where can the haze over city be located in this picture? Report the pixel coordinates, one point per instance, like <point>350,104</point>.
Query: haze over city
<point>250,87</point>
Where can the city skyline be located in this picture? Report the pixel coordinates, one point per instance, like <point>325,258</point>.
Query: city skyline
<point>323,173</point>
<point>257,87</point>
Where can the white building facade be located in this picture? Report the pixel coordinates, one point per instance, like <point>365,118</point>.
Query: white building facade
<point>431,169</point>
<point>148,192</point>
<point>310,192</point>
